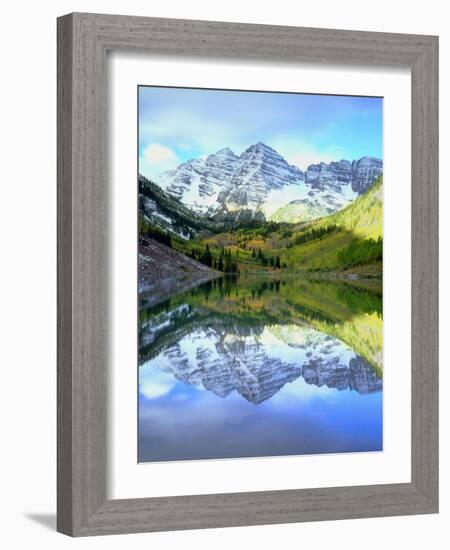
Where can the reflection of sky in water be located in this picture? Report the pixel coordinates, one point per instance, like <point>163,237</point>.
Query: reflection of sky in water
<point>180,419</point>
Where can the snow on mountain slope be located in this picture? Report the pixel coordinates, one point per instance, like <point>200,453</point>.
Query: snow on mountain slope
<point>260,183</point>
<point>198,182</point>
<point>259,170</point>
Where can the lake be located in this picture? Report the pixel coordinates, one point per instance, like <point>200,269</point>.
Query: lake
<point>250,367</point>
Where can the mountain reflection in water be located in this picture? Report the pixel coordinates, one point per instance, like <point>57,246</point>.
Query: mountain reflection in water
<point>237,368</point>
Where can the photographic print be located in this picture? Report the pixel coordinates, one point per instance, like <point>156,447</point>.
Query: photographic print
<point>260,264</point>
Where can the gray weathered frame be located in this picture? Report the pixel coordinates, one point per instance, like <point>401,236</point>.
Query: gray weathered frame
<point>83,40</point>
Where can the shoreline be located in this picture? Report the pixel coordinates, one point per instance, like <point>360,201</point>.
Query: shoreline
<point>163,272</point>
<point>160,291</point>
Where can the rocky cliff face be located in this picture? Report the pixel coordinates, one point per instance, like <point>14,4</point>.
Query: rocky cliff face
<point>259,170</point>
<point>364,173</point>
<point>260,183</point>
<point>329,176</point>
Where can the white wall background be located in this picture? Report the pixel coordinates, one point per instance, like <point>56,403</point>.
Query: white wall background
<point>28,271</point>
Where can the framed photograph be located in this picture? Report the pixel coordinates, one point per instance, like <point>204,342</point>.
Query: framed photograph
<point>247,274</point>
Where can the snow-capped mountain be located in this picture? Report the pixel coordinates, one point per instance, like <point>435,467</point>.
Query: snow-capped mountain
<point>260,183</point>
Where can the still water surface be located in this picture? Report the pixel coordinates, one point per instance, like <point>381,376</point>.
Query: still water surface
<point>257,367</point>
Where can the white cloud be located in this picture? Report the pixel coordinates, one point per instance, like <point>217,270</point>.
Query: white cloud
<point>152,390</point>
<point>157,158</point>
<point>153,382</point>
<point>159,154</point>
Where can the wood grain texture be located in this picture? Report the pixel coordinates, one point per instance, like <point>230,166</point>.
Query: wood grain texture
<point>425,273</point>
<point>83,40</point>
<point>82,275</point>
<point>64,300</point>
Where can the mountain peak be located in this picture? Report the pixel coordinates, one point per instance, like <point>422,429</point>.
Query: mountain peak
<point>260,146</point>
<point>262,150</point>
<point>226,151</point>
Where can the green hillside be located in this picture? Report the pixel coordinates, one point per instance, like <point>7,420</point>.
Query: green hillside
<point>364,216</point>
<point>348,239</point>
<point>355,238</point>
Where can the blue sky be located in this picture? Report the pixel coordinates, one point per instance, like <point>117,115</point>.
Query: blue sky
<point>177,124</point>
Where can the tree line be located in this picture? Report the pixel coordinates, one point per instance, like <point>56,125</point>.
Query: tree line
<point>361,252</point>
<point>224,262</point>
<point>314,233</point>
<point>157,234</point>
<point>273,261</point>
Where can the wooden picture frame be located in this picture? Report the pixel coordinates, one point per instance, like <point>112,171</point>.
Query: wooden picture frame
<point>83,41</point>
